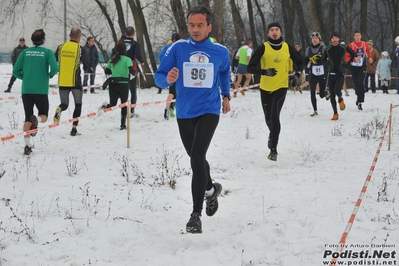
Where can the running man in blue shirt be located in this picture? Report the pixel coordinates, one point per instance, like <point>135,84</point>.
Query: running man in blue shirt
<point>199,68</point>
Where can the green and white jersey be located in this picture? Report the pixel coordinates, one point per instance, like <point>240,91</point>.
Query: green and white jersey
<point>35,66</point>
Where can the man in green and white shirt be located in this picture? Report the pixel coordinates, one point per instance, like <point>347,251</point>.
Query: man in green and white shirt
<point>35,66</point>
<point>243,55</point>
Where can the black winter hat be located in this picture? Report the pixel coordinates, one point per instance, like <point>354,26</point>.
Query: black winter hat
<point>38,37</point>
<point>274,24</point>
<point>334,34</point>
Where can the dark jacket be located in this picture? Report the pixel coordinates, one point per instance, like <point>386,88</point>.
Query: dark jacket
<point>15,53</point>
<point>92,55</point>
<point>132,50</point>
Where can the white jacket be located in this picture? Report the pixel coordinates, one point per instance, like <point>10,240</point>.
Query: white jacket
<point>384,69</point>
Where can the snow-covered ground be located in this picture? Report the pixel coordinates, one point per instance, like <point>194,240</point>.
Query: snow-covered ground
<point>90,200</point>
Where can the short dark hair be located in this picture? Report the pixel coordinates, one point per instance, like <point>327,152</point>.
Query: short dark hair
<point>38,37</point>
<point>90,38</point>
<point>130,31</point>
<point>201,10</point>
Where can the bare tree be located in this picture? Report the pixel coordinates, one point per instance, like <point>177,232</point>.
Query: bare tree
<point>139,21</point>
<point>316,15</point>
<point>252,23</point>
<point>289,19</point>
<point>363,17</point>
<point>303,39</point>
<point>121,17</point>
<point>262,19</point>
<point>237,22</point>
<point>104,10</point>
<point>178,12</point>
<point>218,15</point>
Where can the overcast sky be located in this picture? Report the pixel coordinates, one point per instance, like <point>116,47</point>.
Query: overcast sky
<point>25,25</point>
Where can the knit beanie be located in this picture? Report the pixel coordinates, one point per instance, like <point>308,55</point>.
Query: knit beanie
<point>317,34</point>
<point>274,24</point>
<point>334,34</point>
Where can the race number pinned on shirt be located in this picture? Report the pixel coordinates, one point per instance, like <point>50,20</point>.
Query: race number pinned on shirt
<point>357,62</point>
<point>318,70</point>
<point>198,75</point>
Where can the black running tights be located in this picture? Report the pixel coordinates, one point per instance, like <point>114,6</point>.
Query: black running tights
<point>272,102</point>
<point>196,135</point>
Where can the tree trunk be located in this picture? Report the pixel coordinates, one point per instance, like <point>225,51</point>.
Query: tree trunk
<point>331,18</point>
<point>363,18</point>
<point>348,18</point>
<point>205,3</point>
<point>217,27</point>
<point>188,2</point>
<point>262,18</point>
<point>317,18</point>
<point>289,19</point>
<point>141,34</point>
<point>121,17</point>
<point>252,23</point>
<point>180,18</point>
<point>303,35</point>
<point>109,20</point>
<point>238,23</point>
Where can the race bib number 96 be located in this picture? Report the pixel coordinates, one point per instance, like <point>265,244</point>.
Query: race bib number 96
<point>198,75</point>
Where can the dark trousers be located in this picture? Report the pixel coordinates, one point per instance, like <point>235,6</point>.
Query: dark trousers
<point>86,77</point>
<point>196,135</point>
<point>12,80</point>
<point>335,83</point>
<point>272,102</point>
<point>133,92</point>
<point>358,75</point>
<point>372,82</point>
<point>313,80</point>
<point>119,91</point>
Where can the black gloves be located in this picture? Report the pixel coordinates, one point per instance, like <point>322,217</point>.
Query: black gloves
<point>271,72</point>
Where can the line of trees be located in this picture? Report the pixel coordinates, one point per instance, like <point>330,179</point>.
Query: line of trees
<point>234,20</point>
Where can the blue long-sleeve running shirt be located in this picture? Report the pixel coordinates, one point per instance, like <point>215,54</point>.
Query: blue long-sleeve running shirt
<point>204,67</point>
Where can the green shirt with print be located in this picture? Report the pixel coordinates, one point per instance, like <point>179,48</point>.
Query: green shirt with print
<point>35,66</point>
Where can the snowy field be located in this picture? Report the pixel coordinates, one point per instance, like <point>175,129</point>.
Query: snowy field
<point>90,200</point>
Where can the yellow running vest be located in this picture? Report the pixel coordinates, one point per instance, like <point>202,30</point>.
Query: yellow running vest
<point>69,61</point>
<point>278,59</point>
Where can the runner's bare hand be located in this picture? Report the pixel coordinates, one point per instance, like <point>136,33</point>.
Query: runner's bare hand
<point>173,74</point>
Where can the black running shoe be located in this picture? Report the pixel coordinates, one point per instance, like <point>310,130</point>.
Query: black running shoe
<point>359,106</point>
<point>166,114</point>
<point>194,225</point>
<point>122,127</point>
<point>33,120</point>
<point>27,150</point>
<point>273,155</point>
<point>212,203</point>
<point>74,132</point>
